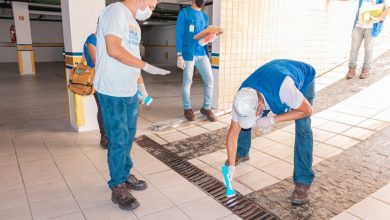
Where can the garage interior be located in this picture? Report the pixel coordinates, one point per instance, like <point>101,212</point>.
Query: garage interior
<point>158,40</point>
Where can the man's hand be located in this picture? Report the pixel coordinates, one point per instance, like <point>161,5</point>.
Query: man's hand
<point>266,123</point>
<point>376,19</point>
<point>155,70</point>
<point>232,170</point>
<point>180,62</point>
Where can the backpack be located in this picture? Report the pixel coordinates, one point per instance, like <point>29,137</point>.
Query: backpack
<point>81,79</point>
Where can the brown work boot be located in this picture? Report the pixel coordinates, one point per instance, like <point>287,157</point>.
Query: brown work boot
<point>189,114</point>
<point>121,195</point>
<point>351,73</point>
<point>364,74</point>
<point>104,141</point>
<point>300,195</point>
<point>135,184</point>
<point>209,114</point>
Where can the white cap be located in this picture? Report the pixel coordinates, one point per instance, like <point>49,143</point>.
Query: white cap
<point>245,104</point>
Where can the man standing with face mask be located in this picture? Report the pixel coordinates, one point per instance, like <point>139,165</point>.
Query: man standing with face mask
<point>190,53</point>
<point>118,67</point>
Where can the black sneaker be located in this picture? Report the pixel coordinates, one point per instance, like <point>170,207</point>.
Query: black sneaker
<point>238,160</point>
<point>122,196</point>
<point>136,184</point>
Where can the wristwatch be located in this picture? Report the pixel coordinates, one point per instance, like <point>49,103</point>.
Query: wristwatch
<point>179,54</point>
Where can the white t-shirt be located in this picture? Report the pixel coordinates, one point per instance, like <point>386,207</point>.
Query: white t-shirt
<point>289,95</point>
<point>368,4</point>
<point>114,78</point>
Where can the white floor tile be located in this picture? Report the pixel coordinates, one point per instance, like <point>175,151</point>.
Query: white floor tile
<point>53,207</point>
<point>175,193</point>
<point>204,208</point>
<point>168,214</point>
<point>16,213</point>
<point>151,202</point>
<point>108,211</point>
<point>370,208</point>
<point>257,180</point>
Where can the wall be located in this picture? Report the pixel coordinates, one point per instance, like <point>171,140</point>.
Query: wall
<point>257,31</point>
<point>160,44</point>
<point>42,32</point>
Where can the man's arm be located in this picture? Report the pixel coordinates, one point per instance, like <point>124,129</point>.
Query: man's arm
<point>384,14</point>
<point>305,110</point>
<point>231,142</point>
<point>116,51</point>
<point>180,26</point>
<point>92,52</point>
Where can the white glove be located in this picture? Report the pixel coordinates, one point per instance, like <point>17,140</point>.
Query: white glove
<point>155,70</point>
<point>232,170</point>
<point>266,123</point>
<point>180,62</point>
<point>374,19</point>
<point>142,89</point>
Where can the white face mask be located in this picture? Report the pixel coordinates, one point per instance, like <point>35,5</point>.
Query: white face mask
<point>142,15</point>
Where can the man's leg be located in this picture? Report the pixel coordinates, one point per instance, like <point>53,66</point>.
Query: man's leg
<point>204,66</point>
<point>115,123</point>
<point>132,115</point>
<point>303,155</point>
<point>368,50</point>
<point>244,143</point>
<point>188,73</point>
<point>303,148</point>
<point>103,140</point>
<point>357,38</point>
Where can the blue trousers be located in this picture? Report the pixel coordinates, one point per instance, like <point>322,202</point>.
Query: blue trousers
<point>120,123</point>
<point>303,147</point>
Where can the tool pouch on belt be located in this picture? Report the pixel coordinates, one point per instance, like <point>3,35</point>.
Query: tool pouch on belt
<point>81,79</point>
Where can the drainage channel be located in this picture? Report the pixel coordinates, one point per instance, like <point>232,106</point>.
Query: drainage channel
<point>241,206</point>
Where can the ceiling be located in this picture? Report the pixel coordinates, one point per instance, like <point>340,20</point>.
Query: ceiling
<point>58,2</point>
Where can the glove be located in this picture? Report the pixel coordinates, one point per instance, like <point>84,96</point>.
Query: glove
<point>180,62</point>
<point>155,70</point>
<point>143,95</point>
<point>232,170</point>
<point>208,39</point>
<point>375,19</point>
<point>266,123</point>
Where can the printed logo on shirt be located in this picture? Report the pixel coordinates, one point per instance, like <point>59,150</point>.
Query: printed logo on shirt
<point>133,39</point>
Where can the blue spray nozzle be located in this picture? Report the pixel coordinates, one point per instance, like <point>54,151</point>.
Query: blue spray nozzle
<point>226,177</point>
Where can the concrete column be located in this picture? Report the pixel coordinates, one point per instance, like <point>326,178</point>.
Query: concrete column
<point>79,20</point>
<point>216,20</point>
<point>23,38</point>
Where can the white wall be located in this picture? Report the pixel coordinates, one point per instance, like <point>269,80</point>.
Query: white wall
<point>42,32</point>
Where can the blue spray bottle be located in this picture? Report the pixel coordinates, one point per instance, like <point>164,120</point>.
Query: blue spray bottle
<point>226,178</point>
<point>147,100</point>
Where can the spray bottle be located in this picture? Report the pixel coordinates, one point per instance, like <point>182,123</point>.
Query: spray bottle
<point>226,178</point>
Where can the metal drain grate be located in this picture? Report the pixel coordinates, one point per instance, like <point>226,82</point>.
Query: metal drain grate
<point>238,204</point>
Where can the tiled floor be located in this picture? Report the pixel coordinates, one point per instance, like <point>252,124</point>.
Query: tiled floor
<point>376,206</point>
<point>49,172</point>
<point>335,130</point>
